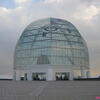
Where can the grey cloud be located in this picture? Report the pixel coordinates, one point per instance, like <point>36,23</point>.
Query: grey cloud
<point>89,1</point>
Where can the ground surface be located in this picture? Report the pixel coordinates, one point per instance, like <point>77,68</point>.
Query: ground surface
<point>60,90</point>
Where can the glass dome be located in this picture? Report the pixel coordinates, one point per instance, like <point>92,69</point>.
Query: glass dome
<point>51,41</point>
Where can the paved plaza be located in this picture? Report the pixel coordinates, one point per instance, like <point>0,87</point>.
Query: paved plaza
<point>54,90</point>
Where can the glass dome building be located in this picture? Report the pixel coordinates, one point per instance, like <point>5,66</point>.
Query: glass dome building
<point>51,49</point>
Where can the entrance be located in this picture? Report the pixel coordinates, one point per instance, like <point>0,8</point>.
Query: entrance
<point>39,76</point>
<point>62,75</point>
<point>24,78</point>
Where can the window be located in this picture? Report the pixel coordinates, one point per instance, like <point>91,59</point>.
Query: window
<point>44,34</point>
<point>69,30</point>
<point>41,76</point>
<point>43,59</point>
<point>62,75</point>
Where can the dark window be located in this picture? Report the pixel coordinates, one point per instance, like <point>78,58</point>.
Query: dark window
<point>62,75</point>
<point>44,34</point>
<point>69,30</point>
<point>39,76</point>
<point>22,78</point>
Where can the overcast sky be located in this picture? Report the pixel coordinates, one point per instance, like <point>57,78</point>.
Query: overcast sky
<point>15,15</point>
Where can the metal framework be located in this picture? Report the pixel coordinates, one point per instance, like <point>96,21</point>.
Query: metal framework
<point>56,40</point>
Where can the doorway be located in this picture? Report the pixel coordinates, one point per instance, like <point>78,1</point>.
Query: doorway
<point>62,75</point>
<point>39,76</point>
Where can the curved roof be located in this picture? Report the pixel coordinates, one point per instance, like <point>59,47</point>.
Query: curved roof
<point>48,21</point>
<point>54,40</point>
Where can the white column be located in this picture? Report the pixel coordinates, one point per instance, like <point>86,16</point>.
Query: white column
<point>88,74</point>
<point>14,75</point>
<point>71,76</point>
<point>17,75</point>
<point>83,73</point>
<point>50,75</point>
<point>29,75</point>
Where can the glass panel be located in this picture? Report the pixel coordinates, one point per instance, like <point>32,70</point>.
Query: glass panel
<point>60,42</point>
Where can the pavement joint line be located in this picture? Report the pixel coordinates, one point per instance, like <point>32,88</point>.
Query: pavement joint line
<point>39,90</point>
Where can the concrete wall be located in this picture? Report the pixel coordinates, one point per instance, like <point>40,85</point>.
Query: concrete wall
<point>49,70</point>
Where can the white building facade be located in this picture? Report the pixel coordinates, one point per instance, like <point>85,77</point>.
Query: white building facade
<point>51,49</point>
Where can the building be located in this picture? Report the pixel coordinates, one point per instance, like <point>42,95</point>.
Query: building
<point>51,49</point>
